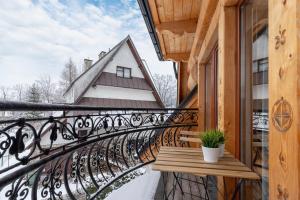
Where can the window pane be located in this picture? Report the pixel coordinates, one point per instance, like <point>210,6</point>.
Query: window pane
<point>127,73</point>
<point>263,65</point>
<point>120,71</point>
<point>255,67</point>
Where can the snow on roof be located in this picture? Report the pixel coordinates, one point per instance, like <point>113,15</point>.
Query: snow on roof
<point>143,187</point>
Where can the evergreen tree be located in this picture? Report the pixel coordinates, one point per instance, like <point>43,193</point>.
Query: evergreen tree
<point>33,96</point>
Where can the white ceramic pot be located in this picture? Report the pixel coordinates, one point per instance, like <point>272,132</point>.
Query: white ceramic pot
<point>211,155</point>
<point>222,147</point>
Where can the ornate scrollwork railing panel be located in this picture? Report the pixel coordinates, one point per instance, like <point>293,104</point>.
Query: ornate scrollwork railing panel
<point>78,154</point>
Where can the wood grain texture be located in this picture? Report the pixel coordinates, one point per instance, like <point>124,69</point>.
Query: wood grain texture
<point>206,12</point>
<point>154,12</point>
<point>227,77</point>
<point>211,37</point>
<point>230,2</point>
<point>159,8</point>
<point>175,24</point>
<point>190,133</point>
<point>178,10</point>
<point>190,139</point>
<point>170,159</point>
<point>177,27</point>
<point>201,97</point>
<point>177,56</point>
<point>196,6</point>
<point>228,95</point>
<point>169,10</point>
<point>284,162</point>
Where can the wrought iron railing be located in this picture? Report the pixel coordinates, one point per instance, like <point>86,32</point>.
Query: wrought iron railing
<point>78,151</point>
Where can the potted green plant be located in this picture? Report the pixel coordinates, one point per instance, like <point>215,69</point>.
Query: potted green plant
<point>221,142</point>
<point>210,146</point>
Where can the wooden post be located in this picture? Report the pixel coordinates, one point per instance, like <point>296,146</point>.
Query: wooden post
<point>284,99</point>
<point>228,111</point>
<point>228,90</point>
<point>201,97</point>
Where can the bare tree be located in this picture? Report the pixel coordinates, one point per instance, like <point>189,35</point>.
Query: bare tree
<point>166,86</point>
<point>4,93</point>
<point>19,92</point>
<point>4,96</point>
<point>47,88</point>
<point>69,74</point>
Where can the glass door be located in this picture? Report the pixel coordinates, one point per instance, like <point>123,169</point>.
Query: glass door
<point>254,94</point>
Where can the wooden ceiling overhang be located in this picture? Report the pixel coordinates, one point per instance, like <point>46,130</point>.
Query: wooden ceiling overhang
<point>184,30</point>
<point>178,27</point>
<point>175,22</point>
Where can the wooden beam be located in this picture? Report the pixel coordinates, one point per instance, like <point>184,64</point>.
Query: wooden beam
<point>177,27</point>
<point>211,37</point>
<point>227,75</point>
<point>179,83</point>
<point>284,74</point>
<point>230,2</point>
<point>206,12</point>
<point>177,56</point>
<point>228,90</point>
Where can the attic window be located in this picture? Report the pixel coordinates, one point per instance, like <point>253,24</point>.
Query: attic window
<point>123,72</point>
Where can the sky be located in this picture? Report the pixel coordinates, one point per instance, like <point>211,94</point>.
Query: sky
<point>38,37</point>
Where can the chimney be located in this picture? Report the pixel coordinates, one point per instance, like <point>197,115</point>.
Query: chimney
<point>87,63</point>
<point>101,54</point>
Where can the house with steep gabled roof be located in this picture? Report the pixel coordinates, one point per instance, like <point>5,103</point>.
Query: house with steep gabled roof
<point>118,79</point>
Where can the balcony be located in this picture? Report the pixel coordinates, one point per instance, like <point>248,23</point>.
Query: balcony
<point>79,152</point>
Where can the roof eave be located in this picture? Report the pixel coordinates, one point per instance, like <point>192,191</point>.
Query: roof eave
<point>145,10</point>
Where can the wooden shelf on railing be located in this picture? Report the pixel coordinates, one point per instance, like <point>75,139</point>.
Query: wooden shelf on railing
<point>188,139</point>
<point>190,160</point>
<point>190,133</point>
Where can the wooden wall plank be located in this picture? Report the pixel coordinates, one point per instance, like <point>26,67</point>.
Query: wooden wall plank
<point>171,42</point>
<point>166,42</point>
<point>196,6</point>
<point>160,10</point>
<point>178,10</point>
<point>169,10</point>
<point>186,8</point>
<point>190,43</point>
<point>177,44</point>
<point>154,12</point>
<point>183,45</point>
<point>284,73</point>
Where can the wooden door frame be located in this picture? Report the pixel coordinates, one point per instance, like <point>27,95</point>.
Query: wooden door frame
<point>213,87</point>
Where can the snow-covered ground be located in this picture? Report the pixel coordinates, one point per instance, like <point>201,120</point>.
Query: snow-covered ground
<point>142,187</point>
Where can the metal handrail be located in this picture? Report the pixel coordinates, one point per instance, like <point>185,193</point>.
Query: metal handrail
<point>27,106</point>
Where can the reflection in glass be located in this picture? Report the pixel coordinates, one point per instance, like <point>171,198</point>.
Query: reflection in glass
<point>254,94</point>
